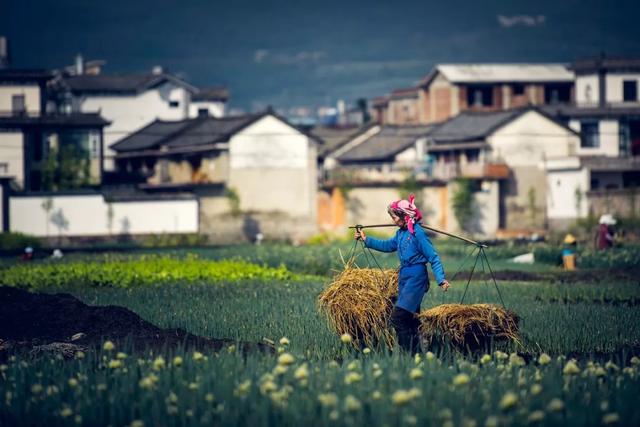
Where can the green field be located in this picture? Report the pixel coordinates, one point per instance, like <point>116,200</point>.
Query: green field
<point>595,321</point>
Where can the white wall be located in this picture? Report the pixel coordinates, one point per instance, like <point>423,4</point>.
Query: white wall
<point>269,143</point>
<point>487,202</point>
<point>11,152</point>
<point>410,155</point>
<point>273,167</point>
<point>530,138</point>
<point>129,113</point>
<point>614,84</point>
<point>31,97</point>
<point>564,177</point>
<point>215,108</point>
<point>582,82</point>
<point>87,216</point>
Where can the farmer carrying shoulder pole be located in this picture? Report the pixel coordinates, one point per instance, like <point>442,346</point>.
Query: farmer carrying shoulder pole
<point>414,251</point>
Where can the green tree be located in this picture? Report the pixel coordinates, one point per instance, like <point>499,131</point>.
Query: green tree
<point>578,196</point>
<point>410,185</point>
<point>462,203</point>
<point>47,207</point>
<point>234,200</point>
<point>66,167</point>
<point>531,205</point>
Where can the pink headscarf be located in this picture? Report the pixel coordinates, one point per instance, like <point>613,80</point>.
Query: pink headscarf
<point>408,210</point>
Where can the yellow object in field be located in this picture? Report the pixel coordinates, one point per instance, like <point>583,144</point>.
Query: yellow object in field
<point>569,262</point>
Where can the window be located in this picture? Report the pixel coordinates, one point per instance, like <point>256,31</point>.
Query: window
<point>174,104</point>
<point>18,104</point>
<point>480,96</point>
<point>518,89</point>
<point>203,112</point>
<point>630,91</point>
<point>595,183</point>
<point>557,93</point>
<point>4,168</point>
<point>590,135</point>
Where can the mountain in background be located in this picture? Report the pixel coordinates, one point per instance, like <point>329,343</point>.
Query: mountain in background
<point>289,54</point>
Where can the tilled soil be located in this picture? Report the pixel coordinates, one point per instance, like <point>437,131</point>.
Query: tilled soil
<point>33,319</point>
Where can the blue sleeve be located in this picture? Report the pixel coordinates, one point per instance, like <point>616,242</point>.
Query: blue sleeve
<point>430,253</point>
<point>389,245</point>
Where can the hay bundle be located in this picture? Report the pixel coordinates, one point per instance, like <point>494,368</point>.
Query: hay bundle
<point>359,302</point>
<point>469,326</point>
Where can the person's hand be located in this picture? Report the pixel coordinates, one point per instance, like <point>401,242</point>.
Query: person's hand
<point>444,285</point>
<point>359,235</point>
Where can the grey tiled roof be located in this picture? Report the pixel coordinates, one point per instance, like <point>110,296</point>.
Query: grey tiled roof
<point>471,125</point>
<point>198,131</point>
<point>211,94</point>
<point>55,120</point>
<point>610,63</point>
<point>334,137</point>
<point>566,111</point>
<point>125,83</point>
<point>24,75</point>
<point>390,141</point>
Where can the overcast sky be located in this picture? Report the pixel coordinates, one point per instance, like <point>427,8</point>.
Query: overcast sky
<point>293,53</point>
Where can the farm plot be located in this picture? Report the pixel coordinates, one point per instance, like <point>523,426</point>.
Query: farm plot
<point>577,364</point>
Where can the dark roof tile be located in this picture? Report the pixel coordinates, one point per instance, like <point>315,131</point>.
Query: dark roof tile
<point>115,83</point>
<point>390,141</point>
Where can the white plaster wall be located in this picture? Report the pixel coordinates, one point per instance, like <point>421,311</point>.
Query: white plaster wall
<point>129,113</point>
<point>31,97</point>
<point>561,193</point>
<point>487,208</point>
<point>269,143</point>
<point>614,84</point>
<point>581,89</point>
<point>410,155</point>
<point>216,109</point>
<point>11,152</point>
<point>87,216</point>
<point>273,167</point>
<point>531,138</point>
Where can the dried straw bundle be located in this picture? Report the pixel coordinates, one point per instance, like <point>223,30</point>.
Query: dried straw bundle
<point>469,326</point>
<point>359,302</point>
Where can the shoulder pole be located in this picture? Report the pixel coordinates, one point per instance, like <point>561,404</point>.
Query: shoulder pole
<point>435,230</point>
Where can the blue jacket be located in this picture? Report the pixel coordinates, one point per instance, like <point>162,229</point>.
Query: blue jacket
<point>414,252</point>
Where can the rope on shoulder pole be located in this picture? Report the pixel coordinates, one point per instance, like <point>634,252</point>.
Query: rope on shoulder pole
<point>481,255</point>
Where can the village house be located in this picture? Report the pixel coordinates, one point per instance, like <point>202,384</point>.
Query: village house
<point>453,88</point>
<point>604,173</point>
<point>34,141</point>
<point>131,101</point>
<point>257,168</point>
<point>500,151</point>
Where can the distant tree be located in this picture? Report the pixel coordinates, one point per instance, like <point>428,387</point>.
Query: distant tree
<point>66,168</point>
<point>47,206</point>
<point>462,203</point>
<point>364,108</point>
<point>531,205</point>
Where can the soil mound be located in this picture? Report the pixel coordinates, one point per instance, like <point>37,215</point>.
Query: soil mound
<point>34,319</point>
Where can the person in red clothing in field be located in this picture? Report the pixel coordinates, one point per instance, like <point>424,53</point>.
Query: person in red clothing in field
<point>606,231</point>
